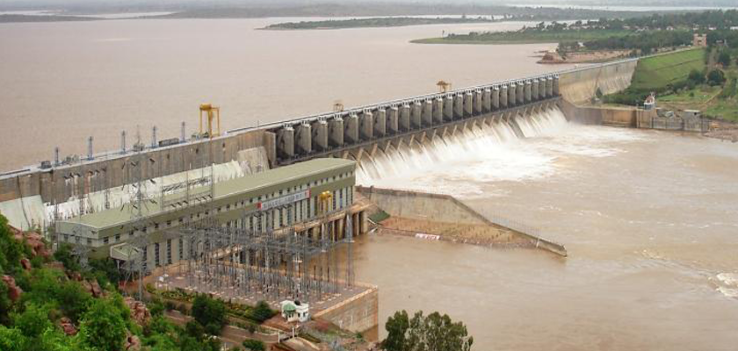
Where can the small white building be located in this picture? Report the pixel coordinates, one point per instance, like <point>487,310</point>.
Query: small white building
<point>294,311</point>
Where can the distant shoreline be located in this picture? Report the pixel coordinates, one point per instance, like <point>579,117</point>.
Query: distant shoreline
<point>375,22</point>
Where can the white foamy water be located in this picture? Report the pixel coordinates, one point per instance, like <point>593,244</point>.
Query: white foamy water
<point>460,163</point>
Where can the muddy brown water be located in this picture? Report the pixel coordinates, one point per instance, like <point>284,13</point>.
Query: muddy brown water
<point>650,220</point>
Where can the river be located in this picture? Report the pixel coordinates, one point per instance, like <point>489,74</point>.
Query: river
<point>63,82</point>
<point>649,219</point>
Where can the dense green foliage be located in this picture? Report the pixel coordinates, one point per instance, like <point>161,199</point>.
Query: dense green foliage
<point>32,323</point>
<point>262,312</point>
<point>643,35</point>
<point>434,332</point>
<point>210,313</point>
<point>253,345</point>
<point>104,326</point>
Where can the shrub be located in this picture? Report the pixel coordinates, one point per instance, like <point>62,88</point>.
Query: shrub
<point>716,77</point>
<point>209,312</point>
<point>253,345</point>
<point>262,312</point>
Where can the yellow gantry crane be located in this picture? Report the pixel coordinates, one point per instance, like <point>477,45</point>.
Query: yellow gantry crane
<point>212,112</point>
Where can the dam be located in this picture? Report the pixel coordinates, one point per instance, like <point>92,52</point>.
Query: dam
<point>31,196</point>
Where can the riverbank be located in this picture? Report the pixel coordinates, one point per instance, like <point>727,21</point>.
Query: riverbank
<point>374,22</point>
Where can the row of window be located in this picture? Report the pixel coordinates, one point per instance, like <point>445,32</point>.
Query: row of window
<point>296,213</point>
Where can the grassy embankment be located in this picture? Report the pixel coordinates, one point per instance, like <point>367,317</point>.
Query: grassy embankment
<point>668,76</point>
<point>376,22</point>
<point>525,37</point>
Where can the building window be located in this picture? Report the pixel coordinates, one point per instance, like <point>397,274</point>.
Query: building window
<point>106,241</point>
<point>89,242</point>
<point>145,260</point>
<point>169,223</point>
<point>181,248</point>
<point>156,255</point>
<point>169,251</point>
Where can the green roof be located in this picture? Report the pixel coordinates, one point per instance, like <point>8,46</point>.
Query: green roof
<point>249,183</point>
<point>289,307</point>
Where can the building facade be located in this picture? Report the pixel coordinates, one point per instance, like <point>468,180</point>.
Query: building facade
<point>298,196</point>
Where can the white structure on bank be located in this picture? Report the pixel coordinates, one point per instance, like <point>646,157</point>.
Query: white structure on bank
<point>294,311</point>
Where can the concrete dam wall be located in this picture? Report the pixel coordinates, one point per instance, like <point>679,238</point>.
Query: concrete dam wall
<point>353,133</point>
<point>581,85</point>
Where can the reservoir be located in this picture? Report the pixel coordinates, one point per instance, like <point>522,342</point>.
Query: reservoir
<point>79,79</point>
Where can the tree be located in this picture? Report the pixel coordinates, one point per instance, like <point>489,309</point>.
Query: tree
<point>253,345</point>
<point>396,327</point>
<point>724,58</point>
<point>33,321</point>
<point>209,312</point>
<point>715,77</point>
<point>64,255</point>
<point>103,327</point>
<point>262,312</point>
<point>696,76</point>
<point>434,332</point>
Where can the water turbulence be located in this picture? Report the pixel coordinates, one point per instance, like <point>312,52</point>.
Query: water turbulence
<point>481,153</point>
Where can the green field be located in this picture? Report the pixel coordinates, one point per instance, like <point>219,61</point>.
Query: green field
<point>524,37</point>
<point>661,70</point>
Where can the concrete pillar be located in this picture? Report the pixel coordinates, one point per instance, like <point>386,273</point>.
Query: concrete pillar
<point>428,112</point>
<point>286,141</point>
<point>503,96</point>
<point>320,135</point>
<point>555,86</point>
<point>496,98</point>
<point>380,122</point>
<point>512,91</point>
<point>477,102</point>
<point>438,110</point>
<point>468,103</point>
<point>528,91</point>
<point>367,125</point>
<point>534,90</point>
<point>335,129</point>
<point>459,106</point>
<point>487,100</point>
<point>405,117</point>
<point>393,120</point>
<point>448,108</point>
<point>416,117</point>
<point>520,93</point>
<point>351,124</point>
<point>303,137</point>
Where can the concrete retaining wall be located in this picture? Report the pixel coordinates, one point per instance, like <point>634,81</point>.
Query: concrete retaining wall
<point>444,208</point>
<point>612,116</point>
<point>578,86</point>
<point>357,314</point>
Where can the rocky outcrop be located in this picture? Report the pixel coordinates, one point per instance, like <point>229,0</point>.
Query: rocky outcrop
<point>26,264</point>
<point>93,288</point>
<point>33,240</point>
<point>139,312</point>
<point>14,292</point>
<point>132,343</point>
<point>67,326</point>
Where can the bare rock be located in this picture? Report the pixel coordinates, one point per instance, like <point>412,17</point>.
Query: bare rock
<point>14,292</point>
<point>93,288</point>
<point>67,326</point>
<point>26,264</point>
<point>139,312</point>
<point>33,240</point>
<point>132,343</point>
